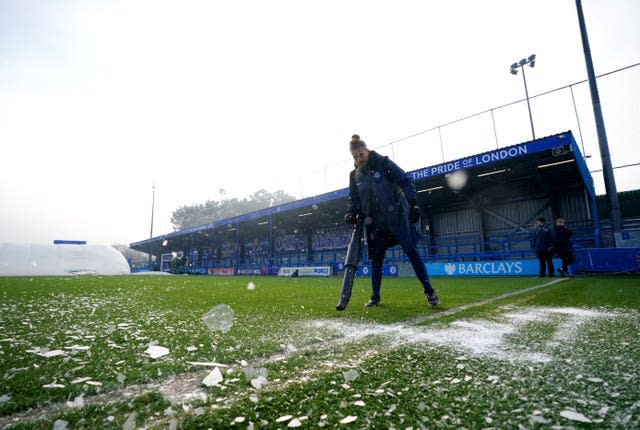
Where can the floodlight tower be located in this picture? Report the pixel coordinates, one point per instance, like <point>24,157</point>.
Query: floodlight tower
<point>531,61</point>
<point>153,204</point>
<point>607,168</point>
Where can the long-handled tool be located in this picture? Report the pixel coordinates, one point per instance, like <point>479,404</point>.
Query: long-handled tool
<point>351,264</point>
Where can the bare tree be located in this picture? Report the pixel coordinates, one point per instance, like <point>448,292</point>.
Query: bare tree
<point>200,214</point>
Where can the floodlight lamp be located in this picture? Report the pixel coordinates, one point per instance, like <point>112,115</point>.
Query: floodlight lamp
<point>523,61</point>
<point>532,63</point>
<point>514,71</point>
<point>532,57</point>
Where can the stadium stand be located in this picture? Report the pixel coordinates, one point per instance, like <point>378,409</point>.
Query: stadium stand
<point>487,219</point>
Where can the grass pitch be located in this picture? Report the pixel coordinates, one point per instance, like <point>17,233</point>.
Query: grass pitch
<point>134,351</point>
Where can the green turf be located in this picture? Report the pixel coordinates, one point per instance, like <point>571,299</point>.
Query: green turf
<point>104,325</point>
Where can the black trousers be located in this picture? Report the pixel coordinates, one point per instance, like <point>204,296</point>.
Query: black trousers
<point>545,258</point>
<point>379,242</point>
<point>567,259</point>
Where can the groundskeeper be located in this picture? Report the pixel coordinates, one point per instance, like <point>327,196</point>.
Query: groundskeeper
<point>383,198</point>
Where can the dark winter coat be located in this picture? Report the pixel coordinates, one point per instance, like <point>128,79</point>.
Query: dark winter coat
<point>563,240</point>
<point>543,239</point>
<point>380,193</point>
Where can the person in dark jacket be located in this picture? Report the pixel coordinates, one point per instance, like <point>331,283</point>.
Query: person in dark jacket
<point>564,246</point>
<point>384,198</point>
<point>543,240</point>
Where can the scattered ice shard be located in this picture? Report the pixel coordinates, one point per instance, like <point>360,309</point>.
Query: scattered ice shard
<point>130,423</point>
<point>257,375</point>
<point>574,416</point>
<point>294,423</point>
<point>60,425</point>
<point>156,351</point>
<point>53,385</point>
<point>350,375</point>
<point>213,378</point>
<point>78,402</point>
<point>219,317</point>
<point>284,418</point>
<point>54,353</point>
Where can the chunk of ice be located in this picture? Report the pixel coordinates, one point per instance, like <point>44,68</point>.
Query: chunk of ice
<point>294,423</point>
<point>574,416</point>
<point>350,375</point>
<point>60,425</point>
<point>213,378</point>
<point>53,353</point>
<point>219,318</point>
<point>156,351</point>
<point>284,418</point>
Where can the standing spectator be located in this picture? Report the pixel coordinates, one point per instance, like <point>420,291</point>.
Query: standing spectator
<point>381,194</point>
<point>564,246</point>
<point>543,240</point>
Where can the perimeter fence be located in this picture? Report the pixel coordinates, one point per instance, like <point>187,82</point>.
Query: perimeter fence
<point>565,108</point>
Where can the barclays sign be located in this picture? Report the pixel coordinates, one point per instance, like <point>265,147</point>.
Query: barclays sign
<point>487,268</point>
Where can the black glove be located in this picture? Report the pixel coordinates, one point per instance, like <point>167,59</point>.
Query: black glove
<point>414,211</point>
<point>350,217</point>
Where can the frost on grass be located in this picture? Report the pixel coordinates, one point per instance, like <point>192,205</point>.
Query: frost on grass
<point>219,318</point>
<point>492,338</point>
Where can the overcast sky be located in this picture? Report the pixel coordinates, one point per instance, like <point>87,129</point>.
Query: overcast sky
<point>100,100</point>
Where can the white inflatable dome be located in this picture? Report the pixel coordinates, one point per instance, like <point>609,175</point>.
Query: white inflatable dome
<point>65,259</point>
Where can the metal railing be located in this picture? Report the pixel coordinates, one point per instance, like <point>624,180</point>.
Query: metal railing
<point>554,111</point>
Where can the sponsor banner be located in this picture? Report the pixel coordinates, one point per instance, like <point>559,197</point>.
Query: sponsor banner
<point>305,271</point>
<point>387,270</point>
<point>557,144</point>
<point>474,161</point>
<point>253,271</point>
<point>489,268</point>
<point>227,271</point>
